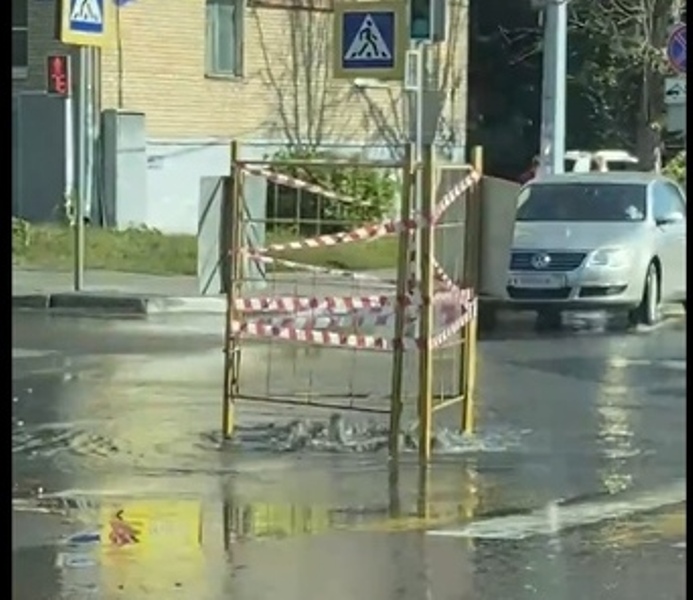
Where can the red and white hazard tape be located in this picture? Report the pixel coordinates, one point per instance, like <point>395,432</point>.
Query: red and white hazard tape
<point>298,184</point>
<point>342,304</point>
<point>326,321</point>
<point>445,301</point>
<point>316,331</point>
<point>440,275</point>
<point>317,337</point>
<point>454,194</point>
<point>443,336</point>
<point>355,275</point>
<point>367,232</point>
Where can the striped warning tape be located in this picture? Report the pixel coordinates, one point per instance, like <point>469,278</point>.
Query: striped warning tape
<point>327,321</point>
<point>446,311</point>
<point>468,313</point>
<point>360,234</point>
<point>440,275</point>
<point>298,184</point>
<point>366,232</point>
<point>454,194</point>
<point>289,304</point>
<point>318,337</point>
<point>287,330</point>
<point>298,266</point>
<point>343,304</point>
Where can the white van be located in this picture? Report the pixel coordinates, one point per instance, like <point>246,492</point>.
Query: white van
<point>580,161</point>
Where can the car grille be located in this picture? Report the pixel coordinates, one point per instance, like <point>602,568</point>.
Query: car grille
<point>560,261</point>
<point>538,293</point>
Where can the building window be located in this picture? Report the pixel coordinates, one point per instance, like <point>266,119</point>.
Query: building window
<point>20,38</point>
<point>224,37</point>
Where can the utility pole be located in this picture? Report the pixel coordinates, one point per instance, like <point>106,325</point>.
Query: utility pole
<point>553,93</point>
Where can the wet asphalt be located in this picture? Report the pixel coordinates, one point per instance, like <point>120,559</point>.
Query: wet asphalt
<point>572,488</point>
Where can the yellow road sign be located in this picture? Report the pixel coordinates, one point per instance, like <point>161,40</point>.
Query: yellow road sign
<point>86,22</point>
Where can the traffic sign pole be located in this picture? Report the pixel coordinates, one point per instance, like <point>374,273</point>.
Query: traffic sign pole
<point>59,83</point>
<point>82,142</point>
<point>87,24</point>
<point>417,98</point>
<point>553,106</point>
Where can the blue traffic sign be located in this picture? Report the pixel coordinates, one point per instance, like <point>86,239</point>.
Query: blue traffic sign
<point>676,48</point>
<point>369,39</point>
<point>86,16</point>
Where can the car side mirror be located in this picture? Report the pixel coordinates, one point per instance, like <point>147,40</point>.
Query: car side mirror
<point>669,219</point>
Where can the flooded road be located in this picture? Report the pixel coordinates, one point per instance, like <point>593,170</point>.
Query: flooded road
<point>574,486</point>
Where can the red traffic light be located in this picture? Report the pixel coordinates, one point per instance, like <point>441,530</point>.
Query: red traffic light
<point>58,75</point>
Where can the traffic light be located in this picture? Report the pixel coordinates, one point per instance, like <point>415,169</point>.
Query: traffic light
<point>58,75</point>
<point>427,20</point>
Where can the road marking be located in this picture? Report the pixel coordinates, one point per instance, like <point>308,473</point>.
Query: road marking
<point>556,517</point>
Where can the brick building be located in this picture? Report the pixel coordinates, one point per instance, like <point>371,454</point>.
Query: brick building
<point>246,69</point>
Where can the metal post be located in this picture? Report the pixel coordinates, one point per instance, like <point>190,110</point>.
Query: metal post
<point>418,144</point>
<point>553,105</point>
<point>401,309</point>
<point>81,133</point>
<point>425,396</point>
<point>90,134</point>
<point>231,240</point>
<point>472,280</point>
<point>70,166</point>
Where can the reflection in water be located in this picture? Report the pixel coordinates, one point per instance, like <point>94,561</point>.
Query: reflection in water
<point>615,422</point>
<point>184,548</point>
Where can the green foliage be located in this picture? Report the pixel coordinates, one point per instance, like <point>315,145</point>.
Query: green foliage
<point>21,235</point>
<point>137,250</point>
<point>145,250</point>
<point>615,63</point>
<point>373,191</point>
<point>676,168</point>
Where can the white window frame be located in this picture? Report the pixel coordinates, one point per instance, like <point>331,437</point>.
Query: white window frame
<point>22,71</point>
<point>212,16</point>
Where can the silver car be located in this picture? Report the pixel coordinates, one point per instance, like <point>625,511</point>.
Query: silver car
<point>613,241</point>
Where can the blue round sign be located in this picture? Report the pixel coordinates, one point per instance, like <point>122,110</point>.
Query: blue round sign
<point>676,48</point>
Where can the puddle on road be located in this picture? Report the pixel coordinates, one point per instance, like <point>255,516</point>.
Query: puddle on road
<point>558,517</point>
<point>576,323</point>
<point>335,435</point>
<point>341,435</point>
<point>124,543</point>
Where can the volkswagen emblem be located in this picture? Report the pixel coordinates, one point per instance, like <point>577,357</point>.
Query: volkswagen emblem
<point>541,260</point>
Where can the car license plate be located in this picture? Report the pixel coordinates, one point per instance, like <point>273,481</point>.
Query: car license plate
<point>547,280</point>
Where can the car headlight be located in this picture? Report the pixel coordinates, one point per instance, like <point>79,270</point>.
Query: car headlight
<point>609,257</point>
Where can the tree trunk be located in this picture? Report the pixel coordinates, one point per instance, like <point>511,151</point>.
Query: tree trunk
<point>652,112</point>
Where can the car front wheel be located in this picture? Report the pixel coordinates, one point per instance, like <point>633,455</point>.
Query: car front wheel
<point>649,310</point>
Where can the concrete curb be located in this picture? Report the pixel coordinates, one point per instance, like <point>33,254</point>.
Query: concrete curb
<point>117,304</point>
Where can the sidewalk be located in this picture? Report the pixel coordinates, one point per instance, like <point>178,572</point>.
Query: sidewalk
<point>110,293</point>
<point>133,294</point>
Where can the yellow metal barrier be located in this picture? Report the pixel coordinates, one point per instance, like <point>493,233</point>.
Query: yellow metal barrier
<point>420,327</point>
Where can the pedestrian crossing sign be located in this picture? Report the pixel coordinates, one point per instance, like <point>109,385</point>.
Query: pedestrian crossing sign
<point>369,40</point>
<point>87,16</point>
<point>85,22</point>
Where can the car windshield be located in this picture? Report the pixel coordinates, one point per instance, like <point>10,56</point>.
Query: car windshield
<point>582,202</point>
